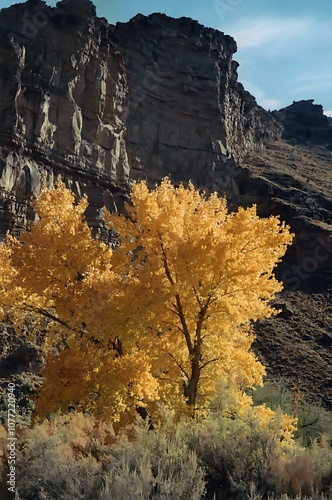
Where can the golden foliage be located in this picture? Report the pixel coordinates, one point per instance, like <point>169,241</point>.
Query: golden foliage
<point>163,317</point>
<point>200,276</point>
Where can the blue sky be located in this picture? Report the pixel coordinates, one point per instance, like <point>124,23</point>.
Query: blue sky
<point>284,46</point>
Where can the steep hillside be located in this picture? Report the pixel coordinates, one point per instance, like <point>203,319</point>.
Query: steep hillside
<point>297,344</point>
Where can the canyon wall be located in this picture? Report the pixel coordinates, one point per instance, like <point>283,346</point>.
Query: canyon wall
<point>103,104</point>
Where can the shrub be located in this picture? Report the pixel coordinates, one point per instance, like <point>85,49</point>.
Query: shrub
<point>157,464</point>
<point>313,422</point>
<point>237,452</point>
<point>219,454</point>
<point>61,458</point>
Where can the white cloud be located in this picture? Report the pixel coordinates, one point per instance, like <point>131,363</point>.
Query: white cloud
<point>307,88</point>
<point>313,78</point>
<point>328,113</point>
<point>320,83</point>
<point>262,31</point>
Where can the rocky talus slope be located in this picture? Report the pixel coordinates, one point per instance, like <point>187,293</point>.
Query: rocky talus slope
<point>102,104</point>
<point>297,344</point>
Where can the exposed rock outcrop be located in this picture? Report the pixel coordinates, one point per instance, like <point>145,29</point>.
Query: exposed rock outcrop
<point>187,114</point>
<point>62,101</point>
<point>306,122</point>
<point>101,104</point>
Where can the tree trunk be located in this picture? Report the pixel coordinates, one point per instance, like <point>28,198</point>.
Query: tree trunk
<point>190,390</point>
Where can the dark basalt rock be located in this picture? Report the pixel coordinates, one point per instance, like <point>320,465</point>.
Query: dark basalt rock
<point>306,122</point>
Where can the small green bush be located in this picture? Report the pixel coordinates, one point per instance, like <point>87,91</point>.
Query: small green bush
<point>313,420</point>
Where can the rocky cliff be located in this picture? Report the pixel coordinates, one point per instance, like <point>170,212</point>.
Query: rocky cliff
<point>306,122</point>
<point>103,104</point>
<point>63,92</point>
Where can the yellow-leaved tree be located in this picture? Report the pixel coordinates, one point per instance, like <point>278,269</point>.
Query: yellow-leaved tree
<point>200,276</point>
<point>59,280</point>
<point>165,317</point>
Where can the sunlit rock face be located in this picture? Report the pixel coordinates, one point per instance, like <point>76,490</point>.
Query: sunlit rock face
<point>62,106</point>
<point>187,114</point>
<point>102,104</point>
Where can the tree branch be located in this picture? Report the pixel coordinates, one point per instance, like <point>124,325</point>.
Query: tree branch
<point>178,306</point>
<point>208,363</point>
<point>184,325</point>
<point>178,364</point>
<point>51,316</point>
<point>197,297</point>
<point>173,325</point>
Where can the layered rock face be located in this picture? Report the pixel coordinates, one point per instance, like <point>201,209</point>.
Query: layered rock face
<point>305,121</point>
<point>63,93</point>
<point>187,114</point>
<point>101,104</point>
